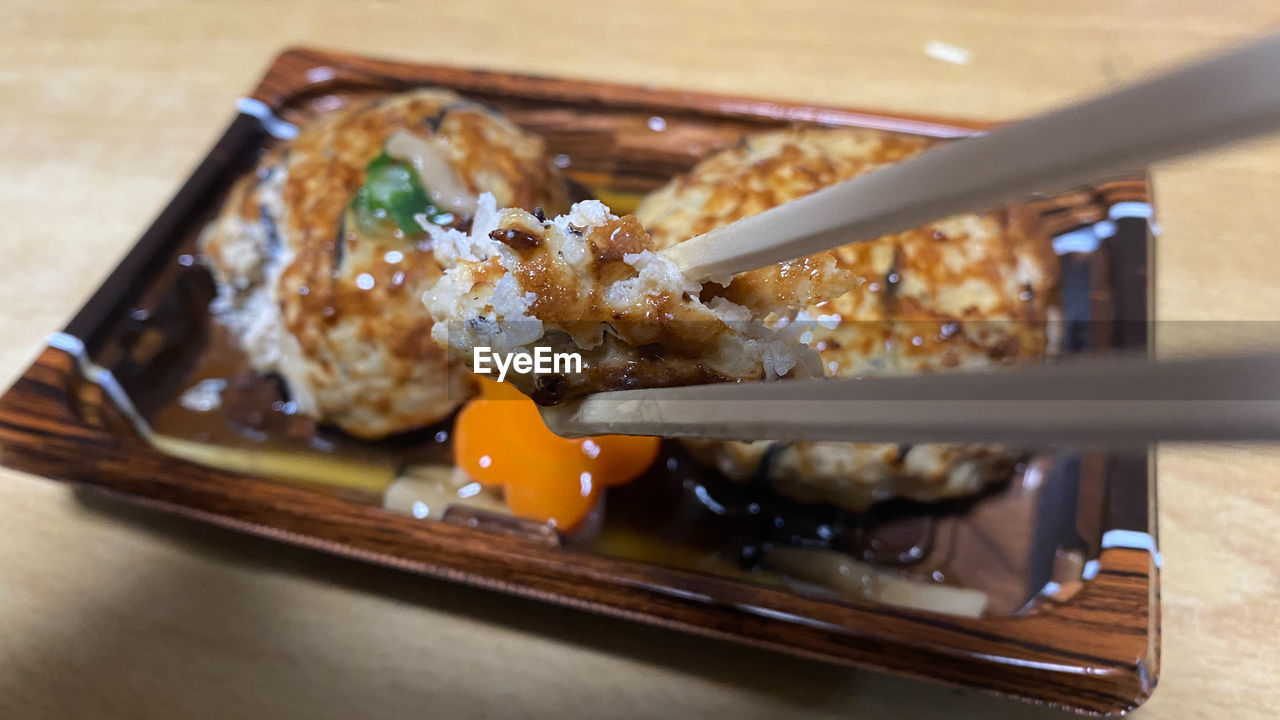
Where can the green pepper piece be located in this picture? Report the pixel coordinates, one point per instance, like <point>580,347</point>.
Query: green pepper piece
<point>392,192</point>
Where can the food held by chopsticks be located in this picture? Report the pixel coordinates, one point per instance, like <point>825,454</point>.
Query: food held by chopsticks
<point>588,287</point>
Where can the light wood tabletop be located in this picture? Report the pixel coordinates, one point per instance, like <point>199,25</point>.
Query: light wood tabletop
<point>112,611</point>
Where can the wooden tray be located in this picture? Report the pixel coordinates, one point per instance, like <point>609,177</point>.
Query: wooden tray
<point>1095,651</point>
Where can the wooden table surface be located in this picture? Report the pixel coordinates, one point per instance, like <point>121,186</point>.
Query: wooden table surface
<point>110,611</point>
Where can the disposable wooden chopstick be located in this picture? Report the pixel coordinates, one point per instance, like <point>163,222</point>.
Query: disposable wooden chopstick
<point>1231,97</point>
<point>1099,402</point>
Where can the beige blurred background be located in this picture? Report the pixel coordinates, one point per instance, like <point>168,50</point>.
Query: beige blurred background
<point>108,611</point>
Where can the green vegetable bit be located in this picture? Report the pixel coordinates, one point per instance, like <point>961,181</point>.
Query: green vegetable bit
<point>392,192</point>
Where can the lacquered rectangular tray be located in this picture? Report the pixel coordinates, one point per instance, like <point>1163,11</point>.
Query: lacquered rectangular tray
<point>1092,647</point>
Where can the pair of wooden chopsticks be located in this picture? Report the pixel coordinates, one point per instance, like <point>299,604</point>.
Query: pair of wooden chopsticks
<point>1222,100</point>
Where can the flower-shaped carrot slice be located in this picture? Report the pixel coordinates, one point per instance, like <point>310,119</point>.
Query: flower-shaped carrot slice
<point>501,441</point>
